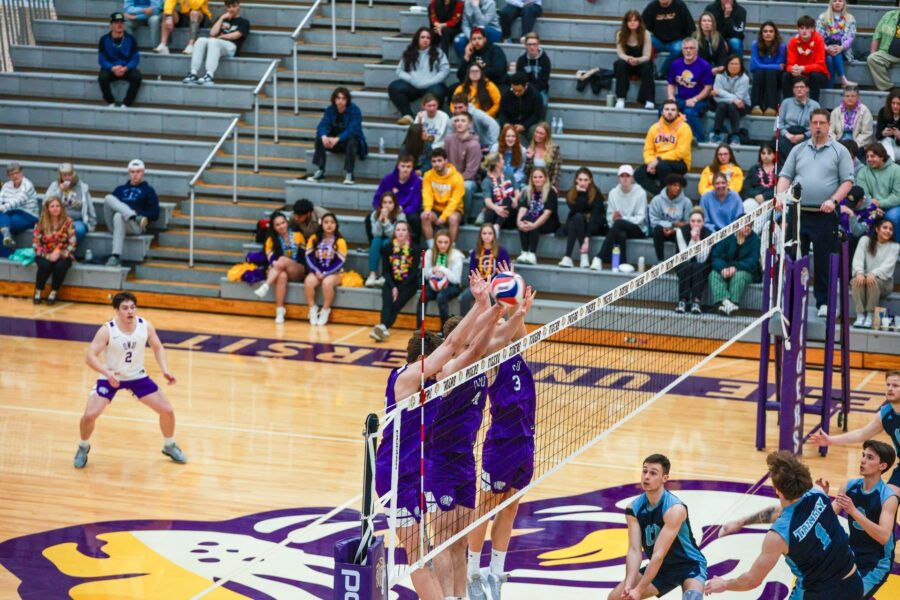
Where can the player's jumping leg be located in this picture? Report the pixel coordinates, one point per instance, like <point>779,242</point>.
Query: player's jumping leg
<point>501,532</point>
<point>450,565</point>
<point>424,581</point>
<point>92,411</point>
<point>161,406</point>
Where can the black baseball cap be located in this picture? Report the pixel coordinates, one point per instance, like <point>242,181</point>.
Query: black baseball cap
<point>116,16</point>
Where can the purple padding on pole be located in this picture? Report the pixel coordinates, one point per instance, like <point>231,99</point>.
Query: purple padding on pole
<point>359,582</point>
<point>793,382</point>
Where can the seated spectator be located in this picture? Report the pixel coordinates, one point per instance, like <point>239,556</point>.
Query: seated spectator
<point>484,126</point>
<point>887,125</point>
<point>479,51</point>
<point>415,143</point>
<point>226,37</point>
<point>19,204</point>
<point>478,14</point>
<point>191,13</point>
<point>484,259</point>
<point>852,120</point>
<point>480,91</point>
<point>535,64</point>
<point>884,51</point>
<point>669,23</point>
<point>690,84</point>
<point>306,218</point>
<point>721,205</point>
<point>326,253</point>
<point>759,183</point>
<point>340,130</point>
<point>521,106</point>
<point>626,214</point>
<point>443,190</point>
<point>406,185</point>
<point>422,70</point>
<point>669,210</point>
<point>434,121</point>
<point>54,248</point>
<point>400,265</point>
<point>529,10</point>
<point>768,55</point>
<point>731,91</point>
<point>537,214</point>
<point>735,263</point>
<point>634,49</point>
<point>118,56</point>
<point>711,46</point>
<point>129,209</point>
<point>873,271</point>
<point>725,163</point>
<point>442,259</point>
<point>692,274</point>
<point>383,219</point>
<point>501,198</point>
<point>76,199</point>
<point>514,156</point>
<point>285,251</point>
<point>806,57</point>
<point>543,153</point>
<point>838,28</point>
<point>855,152</point>
<point>731,19</point>
<point>464,153</point>
<point>144,12</point>
<point>793,118</point>
<point>667,149</point>
<point>587,217</point>
<point>446,21</point>
<point>880,182</point>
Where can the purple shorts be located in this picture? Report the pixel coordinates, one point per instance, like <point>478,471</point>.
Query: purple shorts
<point>507,464</point>
<point>408,511</point>
<point>139,387</point>
<point>450,480</point>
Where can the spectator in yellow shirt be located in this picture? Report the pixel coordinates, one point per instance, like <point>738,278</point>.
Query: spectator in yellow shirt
<point>723,162</point>
<point>193,13</point>
<point>443,190</point>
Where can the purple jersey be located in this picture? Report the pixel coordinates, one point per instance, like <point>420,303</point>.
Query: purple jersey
<point>458,417</point>
<point>513,399</point>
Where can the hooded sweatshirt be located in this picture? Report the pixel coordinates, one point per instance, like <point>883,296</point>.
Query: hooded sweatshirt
<point>492,60</point>
<point>729,88</point>
<point>421,75</point>
<point>409,193</point>
<point>483,15</point>
<point>720,213</point>
<point>882,184</point>
<point>668,24</point>
<point>665,211</point>
<point>464,154</point>
<point>537,70</point>
<point>524,110</point>
<point>443,193</point>
<point>669,141</point>
<point>810,55</point>
<point>140,198</point>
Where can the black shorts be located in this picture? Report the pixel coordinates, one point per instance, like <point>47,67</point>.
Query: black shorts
<point>850,588</point>
<point>668,579</point>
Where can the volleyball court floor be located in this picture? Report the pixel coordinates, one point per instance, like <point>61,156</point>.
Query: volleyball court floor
<point>270,418</point>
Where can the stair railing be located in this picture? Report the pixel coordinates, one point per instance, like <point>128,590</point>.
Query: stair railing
<point>298,34</point>
<point>15,25</point>
<point>272,72</point>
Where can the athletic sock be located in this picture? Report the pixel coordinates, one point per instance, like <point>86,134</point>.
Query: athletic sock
<point>169,441</point>
<point>498,559</point>
<point>85,443</point>
<point>474,563</point>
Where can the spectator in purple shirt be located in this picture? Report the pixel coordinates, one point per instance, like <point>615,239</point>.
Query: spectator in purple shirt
<point>690,83</point>
<point>117,53</point>
<point>407,187</point>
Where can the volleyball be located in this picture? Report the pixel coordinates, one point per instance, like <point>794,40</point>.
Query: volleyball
<point>508,288</point>
<point>438,280</point>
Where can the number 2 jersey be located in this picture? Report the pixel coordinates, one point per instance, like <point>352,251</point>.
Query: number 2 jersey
<point>125,351</point>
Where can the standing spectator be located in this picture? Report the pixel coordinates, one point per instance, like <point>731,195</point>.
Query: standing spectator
<point>442,260</point>
<point>735,263</point>
<point>884,51</point>
<point>478,14</point>
<point>887,126</point>
<point>434,121</point>
<point>731,19</point>
<point>191,13</point>
<point>76,199</point>
<point>721,205</point>
<point>587,217</point>
<point>667,149</point>
<point>306,218</point>
<point>537,214</point>
<point>806,57</point>
<point>443,189</point>
<point>880,182</point>
<point>480,91</point>
<point>484,126</point>
<point>669,23</point>
<point>521,107</point>
<point>873,271</point>
<point>226,37</point>
<point>543,153</point>
<point>340,130</point>
<point>669,210</point>
<point>529,10</point>
<point>479,51</point>
<point>464,153</point>
<point>484,259</point>
<point>514,155</point>
<point>626,212</point>
<point>793,118</point>
<point>824,169</point>
<point>406,185</point>
<point>422,70</point>
<point>633,47</point>
<point>54,245</point>
<point>501,200</point>
<point>129,209</point>
<point>326,252</point>
<point>852,120</point>
<point>711,46</point>
<point>118,56</point>
<point>767,59</point>
<point>446,21</point>
<point>144,12</point>
<point>284,250</point>
<point>731,91</point>
<point>690,84</point>
<point>759,184</point>
<point>725,163</point>
<point>19,204</point>
<point>693,273</point>
<point>535,64</point>
<point>838,28</point>
<point>383,220</point>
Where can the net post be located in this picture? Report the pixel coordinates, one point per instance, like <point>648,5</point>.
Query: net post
<point>845,329</point>
<point>422,511</point>
<point>793,359</point>
<point>828,366</point>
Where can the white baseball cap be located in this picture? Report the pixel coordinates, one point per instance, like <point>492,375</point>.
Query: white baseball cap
<point>626,169</point>
<point>136,164</point>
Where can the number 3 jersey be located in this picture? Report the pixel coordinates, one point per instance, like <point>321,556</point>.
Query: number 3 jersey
<point>125,352</point>
<point>684,551</point>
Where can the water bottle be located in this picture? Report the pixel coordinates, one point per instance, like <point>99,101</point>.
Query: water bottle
<point>642,264</point>
<point>381,145</point>
<point>554,125</point>
<point>616,258</point>
<point>88,255</point>
<point>560,128</point>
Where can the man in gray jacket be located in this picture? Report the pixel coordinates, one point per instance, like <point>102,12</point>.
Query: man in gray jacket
<point>793,119</point>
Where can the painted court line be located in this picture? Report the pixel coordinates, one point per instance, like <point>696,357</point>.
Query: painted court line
<point>349,335</point>
<point>866,380</point>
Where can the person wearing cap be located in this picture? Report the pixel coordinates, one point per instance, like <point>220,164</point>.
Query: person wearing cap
<point>478,14</point>
<point>669,210</point>
<point>76,198</point>
<point>144,12</point>
<point>667,149</point>
<point>191,13</point>
<point>117,53</point>
<point>306,217</point>
<point>19,204</point>
<point>626,213</point>
<point>129,209</point>
<point>490,57</point>
<point>226,37</point>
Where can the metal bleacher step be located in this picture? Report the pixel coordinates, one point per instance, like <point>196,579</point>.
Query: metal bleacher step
<point>179,253</point>
<point>178,288</point>
<point>178,271</point>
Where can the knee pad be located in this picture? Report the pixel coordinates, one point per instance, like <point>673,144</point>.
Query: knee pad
<point>692,595</point>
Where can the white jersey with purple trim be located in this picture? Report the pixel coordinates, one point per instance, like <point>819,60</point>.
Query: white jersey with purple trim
<point>124,353</point>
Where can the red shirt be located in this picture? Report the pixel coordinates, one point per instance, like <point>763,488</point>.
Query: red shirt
<point>810,55</point>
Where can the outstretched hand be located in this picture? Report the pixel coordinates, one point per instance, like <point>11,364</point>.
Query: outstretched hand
<point>479,287</point>
<point>824,484</point>
<point>820,438</point>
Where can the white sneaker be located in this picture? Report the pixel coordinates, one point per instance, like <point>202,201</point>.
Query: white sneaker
<point>111,105</point>
<point>370,280</point>
<point>323,316</point>
<point>620,104</point>
<point>566,263</point>
<point>379,333</point>
<point>860,319</point>
<point>596,264</point>
<point>867,324</point>
<point>161,49</point>
<point>262,290</point>
<point>189,49</point>
<point>280,311</point>
<point>584,263</point>
<point>730,306</point>
<point>523,258</point>
<point>823,311</point>
<point>313,315</point>
<point>379,282</point>
<point>648,105</point>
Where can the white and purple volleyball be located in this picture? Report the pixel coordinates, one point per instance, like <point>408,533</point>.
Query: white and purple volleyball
<point>438,281</point>
<point>508,288</point>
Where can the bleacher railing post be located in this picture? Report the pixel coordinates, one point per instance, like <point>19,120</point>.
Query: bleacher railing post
<point>256,134</point>
<point>275,99</point>
<point>353,17</point>
<point>234,164</point>
<point>191,232</point>
<point>296,92</point>
<point>334,29</point>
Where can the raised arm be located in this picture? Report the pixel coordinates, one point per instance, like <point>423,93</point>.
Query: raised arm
<point>159,351</point>
<point>857,436</point>
<point>773,547</point>
<point>767,515</point>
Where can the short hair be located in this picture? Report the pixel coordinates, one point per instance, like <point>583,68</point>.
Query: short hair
<point>465,114</point>
<point>518,78</point>
<point>885,452</point>
<point>806,21</point>
<point>414,345</point>
<point>800,79</point>
<point>532,35</point>
<point>232,2</point>
<point>341,91</point>
<point>892,373</point>
<point>878,149</point>
<point>720,175</point>
<point>659,459</point>
<point>13,167</point>
<point>670,101</point>
<point>459,99</point>
<point>405,157</point>
<point>439,153</point>
<point>789,476</point>
<point>450,324</point>
<point>691,41</point>
<point>430,98</point>
<point>303,207</point>
<point>820,111</point>
<point>675,178</point>
<point>851,146</point>
<point>121,297</point>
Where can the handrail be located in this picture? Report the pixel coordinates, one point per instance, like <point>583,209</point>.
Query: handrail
<point>231,128</point>
<point>298,32</point>
<point>273,72</point>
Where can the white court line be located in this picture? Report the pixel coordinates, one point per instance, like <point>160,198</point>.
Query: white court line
<point>680,473</point>
<point>349,335</point>
<point>866,380</point>
<point>730,363</point>
<point>50,311</point>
